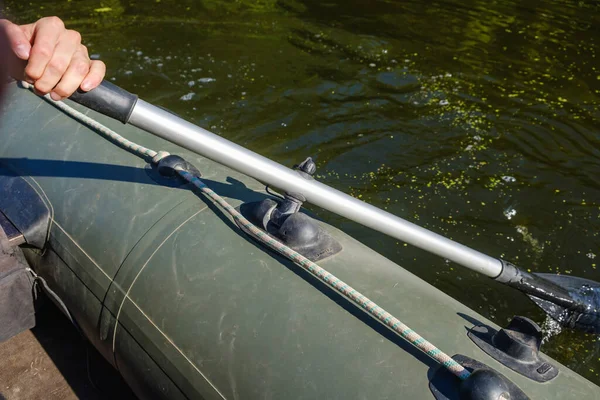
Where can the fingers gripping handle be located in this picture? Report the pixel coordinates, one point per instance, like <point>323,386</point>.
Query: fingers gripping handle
<point>108,99</point>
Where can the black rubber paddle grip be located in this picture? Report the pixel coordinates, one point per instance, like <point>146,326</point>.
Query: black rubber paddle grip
<point>108,99</point>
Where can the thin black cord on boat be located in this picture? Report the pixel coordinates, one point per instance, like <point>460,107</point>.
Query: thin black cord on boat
<point>67,313</point>
<point>56,298</point>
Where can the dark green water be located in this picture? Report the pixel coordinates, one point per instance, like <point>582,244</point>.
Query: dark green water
<point>476,119</point>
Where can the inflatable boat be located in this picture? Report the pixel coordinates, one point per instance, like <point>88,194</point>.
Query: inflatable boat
<point>186,303</point>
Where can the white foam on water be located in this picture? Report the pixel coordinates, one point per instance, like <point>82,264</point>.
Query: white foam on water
<point>510,212</point>
<point>187,97</point>
<point>550,328</point>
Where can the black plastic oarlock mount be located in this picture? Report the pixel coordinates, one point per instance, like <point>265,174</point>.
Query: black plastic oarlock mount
<point>165,172</point>
<point>284,221</point>
<point>108,99</point>
<point>517,346</point>
<point>484,383</point>
<point>168,166</point>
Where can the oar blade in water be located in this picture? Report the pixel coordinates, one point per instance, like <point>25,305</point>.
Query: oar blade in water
<point>584,291</point>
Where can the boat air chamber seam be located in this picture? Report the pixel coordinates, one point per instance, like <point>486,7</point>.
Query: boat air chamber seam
<point>329,279</point>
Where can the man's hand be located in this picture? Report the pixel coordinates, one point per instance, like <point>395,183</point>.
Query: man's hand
<point>52,58</point>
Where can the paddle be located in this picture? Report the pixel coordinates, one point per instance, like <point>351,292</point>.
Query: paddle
<point>572,301</point>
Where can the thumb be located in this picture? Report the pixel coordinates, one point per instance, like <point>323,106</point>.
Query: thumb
<point>18,41</point>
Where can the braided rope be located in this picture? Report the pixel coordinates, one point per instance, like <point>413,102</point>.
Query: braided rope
<point>329,279</point>
<point>334,282</point>
<point>102,129</point>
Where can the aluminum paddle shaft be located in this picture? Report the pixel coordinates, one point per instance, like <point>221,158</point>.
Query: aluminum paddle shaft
<point>572,302</point>
<point>119,104</point>
<point>176,130</point>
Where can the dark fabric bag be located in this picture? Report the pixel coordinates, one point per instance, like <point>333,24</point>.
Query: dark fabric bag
<point>17,312</point>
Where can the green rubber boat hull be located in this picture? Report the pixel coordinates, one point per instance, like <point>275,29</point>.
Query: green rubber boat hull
<point>185,305</point>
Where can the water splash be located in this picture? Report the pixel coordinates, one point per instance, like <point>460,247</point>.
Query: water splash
<point>510,212</point>
<point>187,97</point>
<point>550,328</point>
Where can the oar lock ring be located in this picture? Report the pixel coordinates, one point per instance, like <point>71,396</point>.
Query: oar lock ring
<point>306,169</point>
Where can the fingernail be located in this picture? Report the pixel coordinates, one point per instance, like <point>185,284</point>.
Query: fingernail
<point>22,51</point>
<point>29,80</point>
<point>86,85</point>
<point>55,96</point>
